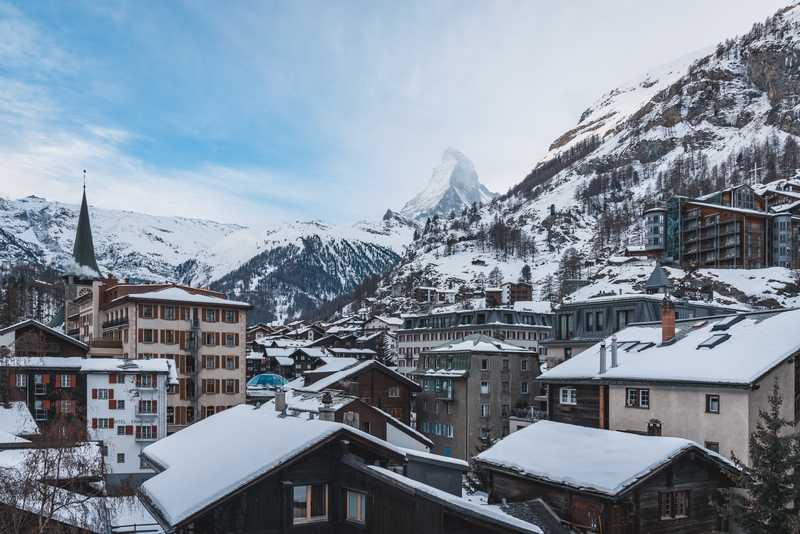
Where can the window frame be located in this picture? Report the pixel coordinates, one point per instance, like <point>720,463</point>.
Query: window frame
<point>485,387</point>
<point>710,446</point>
<point>308,505</point>
<point>361,505</point>
<point>709,398</point>
<point>668,501</point>
<point>637,398</point>
<point>571,397</point>
<point>524,388</point>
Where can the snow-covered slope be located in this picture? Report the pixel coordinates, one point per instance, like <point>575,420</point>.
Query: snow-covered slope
<point>453,186</point>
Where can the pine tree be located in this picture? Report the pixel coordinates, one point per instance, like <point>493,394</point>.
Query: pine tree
<point>383,353</point>
<point>478,477</point>
<point>772,482</point>
<point>525,274</point>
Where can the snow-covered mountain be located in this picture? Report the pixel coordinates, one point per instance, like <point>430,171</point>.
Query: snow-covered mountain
<point>690,127</point>
<point>453,186</point>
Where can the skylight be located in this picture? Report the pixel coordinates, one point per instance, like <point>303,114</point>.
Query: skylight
<point>726,323</point>
<point>714,340</point>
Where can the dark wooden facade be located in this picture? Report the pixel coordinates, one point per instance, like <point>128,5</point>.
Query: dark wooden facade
<point>51,394</point>
<point>587,410</point>
<point>635,510</point>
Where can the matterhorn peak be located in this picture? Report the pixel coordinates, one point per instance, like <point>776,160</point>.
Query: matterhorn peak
<point>453,186</point>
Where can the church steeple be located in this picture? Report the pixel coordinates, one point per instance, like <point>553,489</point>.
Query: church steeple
<point>83,251</point>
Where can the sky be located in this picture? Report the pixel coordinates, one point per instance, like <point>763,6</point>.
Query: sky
<point>265,112</point>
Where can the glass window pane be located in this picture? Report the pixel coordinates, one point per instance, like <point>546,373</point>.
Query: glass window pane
<point>362,511</point>
<point>352,505</point>
<point>299,505</point>
<point>318,502</point>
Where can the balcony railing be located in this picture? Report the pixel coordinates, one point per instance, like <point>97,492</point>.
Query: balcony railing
<point>103,343</point>
<point>145,413</point>
<point>115,322</point>
<point>74,332</point>
<point>529,414</point>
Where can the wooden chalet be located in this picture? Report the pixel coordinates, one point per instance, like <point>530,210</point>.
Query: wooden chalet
<point>610,482</point>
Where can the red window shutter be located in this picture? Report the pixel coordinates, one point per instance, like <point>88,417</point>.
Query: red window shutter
<point>140,406</point>
<point>154,381</point>
<point>94,393</point>
<point>129,430</point>
<point>138,381</point>
<point>58,381</point>
<point>13,379</point>
<point>111,423</point>
<point>46,379</point>
<point>110,393</point>
<point>236,340</point>
<point>155,406</point>
<point>112,379</point>
<point>236,362</point>
<point>58,407</point>
<point>73,405</point>
<point>46,404</point>
<point>154,432</point>
<point>138,432</point>
<point>112,404</point>
<point>94,422</point>
<point>236,386</point>
<point>141,335</point>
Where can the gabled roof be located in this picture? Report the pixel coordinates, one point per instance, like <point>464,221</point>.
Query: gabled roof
<point>557,453</point>
<point>658,279</point>
<point>477,343</point>
<point>180,294</point>
<point>757,344</point>
<point>83,249</point>
<point>355,371</point>
<point>37,324</point>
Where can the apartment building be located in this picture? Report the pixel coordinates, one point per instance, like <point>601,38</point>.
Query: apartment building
<point>525,325</point>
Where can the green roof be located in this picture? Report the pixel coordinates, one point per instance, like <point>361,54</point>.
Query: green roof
<point>83,251</point>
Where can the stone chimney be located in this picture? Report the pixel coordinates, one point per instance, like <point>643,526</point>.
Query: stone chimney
<point>280,400</point>
<point>326,413</point>
<point>667,320</point>
<point>613,351</point>
<point>602,357</point>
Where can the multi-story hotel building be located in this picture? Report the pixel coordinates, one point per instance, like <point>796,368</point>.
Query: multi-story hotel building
<point>519,326</point>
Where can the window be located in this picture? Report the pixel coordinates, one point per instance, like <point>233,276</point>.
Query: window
<point>102,393</point>
<point>524,388</point>
<point>41,412</point>
<point>523,365</point>
<point>147,355</point>
<point>102,422</point>
<point>356,507</point>
<point>394,392</point>
<point>623,318</point>
<point>637,398</point>
<point>449,409</point>
<point>169,313</point>
<point>599,320</point>
<point>505,365</point>
<point>209,362</point>
<point>712,403</point>
<point>568,396</point>
<point>674,504</point>
<point>485,387</point>
<point>436,406</point>
<point>142,462</point>
<point>40,386</point>
<point>210,338</point>
<point>230,363</point>
<point>484,410</point>
<point>712,446</point>
<point>147,381</point>
<point>169,337</point>
<point>209,316</point>
<point>146,406</point>
<point>424,405</point>
<point>505,409</point>
<point>209,411</point>
<point>170,415</point>
<point>505,387</point>
<point>120,405</point>
<point>120,457</point>
<point>147,312</point>
<point>209,386</point>
<point>228,340</point>
<point>366,427</point>
<point>228,316</point>
<point>22,381</point>
<point>188,314</point>
<point>229,386</point>
<point>121,430</point>
<point>146,432</point>
<point>120,379</point>
<point>65,406</point>
<point>66,381</point>
<point>485,432</point>
<point>310,503</point>
<point>485,364</point>
<point>148,335</point>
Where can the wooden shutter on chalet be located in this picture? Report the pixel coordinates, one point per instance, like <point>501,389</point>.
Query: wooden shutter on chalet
<point>110,393</point>
<point>111,422</point>
<point>236,386</point>
<point>154,432</point>
<point>236,362</point>
<point>13,377</point>
<point>46,404</point>
<point>58,381</point>
<point>182,339</point>
<point>182,387</point>
<point>46,379</point>
<point>203,314</point>
<point>154,381</point>
<point>112,404</point>
<point>94,422</point>
<point>112,379</point>
<point>129,430</point>
<point>181,362</point>
<point>236,339</point>
<point>138,432</point>
<point>216,362</point>
<point>216,316</point>
<point>216,338</point>
<point>73,380</point>
<point>155,406</point>
<point>58,407</point>
<point>141,335</point>
<point>163,314</point>
<point>236,316</point>
<point>141,311</point>
<point>138,381</point>
<point>217,388</point>
<point>94,393</point>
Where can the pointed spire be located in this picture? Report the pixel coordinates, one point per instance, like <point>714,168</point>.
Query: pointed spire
<point>83,251</point>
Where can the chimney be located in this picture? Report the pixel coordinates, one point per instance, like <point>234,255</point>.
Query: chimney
<point>613,351</point>
<point>326,413</point>
<point>602,357</point>
<point>667,320</point>
<point>280,400</point>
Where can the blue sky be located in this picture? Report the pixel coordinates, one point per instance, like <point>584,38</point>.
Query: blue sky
<point>258,112</point>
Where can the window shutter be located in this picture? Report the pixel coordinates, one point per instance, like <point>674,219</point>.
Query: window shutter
<point>73,405</point>
<point>13,379</point>
<point>73,380</point>
<point>111,423</point>
<point>94,422</point>
<point>155,406</point>
<point>46,404</point>
<point>163,336</point>
<point>154,432</point>
<point>181,363</point>
<point>182,388</point>
<point>129,430</point>
<point>216,362</point>
<point>216,386</point>
<point>46,379</point>
<point>216,316</point>
<point>112,379</point>
<point>58,407</point>
<point>216,338</point>
<point>163,315</point>
<point>140,406</point>
<point>94,393</point>
<point>203,314</point>
<point>110,393</point>
<point>141,335</point>
<point>58,381</point>
<point>236,340</point>
<point>141,311</point>
<point>236,362</point>
<point>138,432</point>
<point>112,404</point>
<point>154,381</point>
<point>138,381</point>
<point>236,386</point>
<point>236,316</point>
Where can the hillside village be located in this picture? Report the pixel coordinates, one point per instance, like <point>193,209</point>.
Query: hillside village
<point>610,347</point>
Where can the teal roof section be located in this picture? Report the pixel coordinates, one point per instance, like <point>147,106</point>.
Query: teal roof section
<point>658,279</point>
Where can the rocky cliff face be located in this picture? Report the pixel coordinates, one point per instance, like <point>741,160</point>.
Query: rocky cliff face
<point>453,186</point>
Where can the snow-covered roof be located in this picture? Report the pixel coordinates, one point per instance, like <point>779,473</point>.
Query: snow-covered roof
<point>16,420</point>
<point>345,352</point>
<point>477,343</point>
<point>100,365</point>
<point>437,458</point>
<point>333,364</point>
<point>536,306</point>
<point>757,343</point>
<point>390,320</point>
<point>58,333</point>
<point>283,360</point>
<point>179,294</point>
<point>335,378</point>
<point>557,452</point>
<point>490,513</point>
<point>263,441</point>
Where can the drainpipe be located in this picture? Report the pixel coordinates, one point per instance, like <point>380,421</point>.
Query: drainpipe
<point>602,357</point>
<point>613,351</point>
